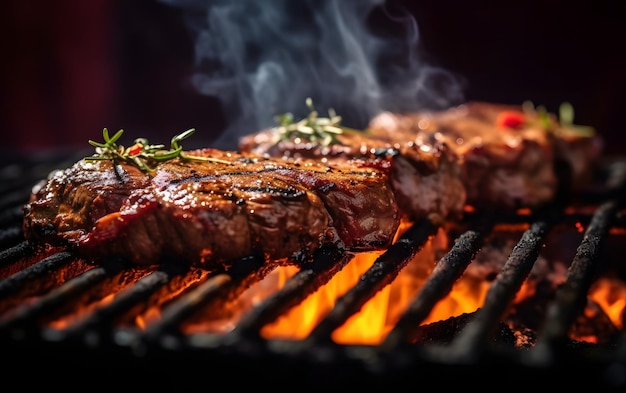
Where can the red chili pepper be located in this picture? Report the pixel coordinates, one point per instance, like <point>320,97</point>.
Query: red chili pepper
<point>135,149</point>
<point>510,119</point>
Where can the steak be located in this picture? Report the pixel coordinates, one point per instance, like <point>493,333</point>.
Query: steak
<point>424,174</point>
<point>511,156</point>
<point>441,162</point>
<point>208,213</point>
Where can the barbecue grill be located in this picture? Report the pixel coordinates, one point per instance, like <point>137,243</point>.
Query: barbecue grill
<point>42,289</point>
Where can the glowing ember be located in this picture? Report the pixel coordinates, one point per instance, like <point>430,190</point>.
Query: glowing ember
<point>80,312</point>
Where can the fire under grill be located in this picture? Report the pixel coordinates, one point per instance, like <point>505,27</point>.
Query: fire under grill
<point>58,309</point>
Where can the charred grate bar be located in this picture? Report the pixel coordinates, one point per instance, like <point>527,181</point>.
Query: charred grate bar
<point>36,289</point>
<point>27,317</point>
<point>212,293</point>
<point>328,262</point>
<point>42,270</point>
<point>439,284</point>
<point>572,296</point>
<point>382,272</point>
<point>471,342</point>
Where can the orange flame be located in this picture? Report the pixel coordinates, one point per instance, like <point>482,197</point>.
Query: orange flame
<point>299,322</point>
<point>610,295</point>
<point>377,316</point>
<point>68,320</point>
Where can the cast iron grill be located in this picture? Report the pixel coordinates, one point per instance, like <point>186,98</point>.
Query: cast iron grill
<point>39,288</point>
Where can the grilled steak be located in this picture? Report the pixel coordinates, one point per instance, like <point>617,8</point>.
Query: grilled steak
<point>471,155</point>
<point>208,213</point>
<point>424,173</point>
<point>508,153</point>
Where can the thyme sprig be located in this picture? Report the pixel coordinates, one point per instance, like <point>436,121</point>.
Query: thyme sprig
<point>313,128</point>
<point>142,154</point>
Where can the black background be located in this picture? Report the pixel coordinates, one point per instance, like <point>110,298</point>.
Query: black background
<point>71,67</point>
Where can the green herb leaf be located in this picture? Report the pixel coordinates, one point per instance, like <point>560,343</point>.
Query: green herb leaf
<point>561,126</point>
<point>566,117</point>
<point>313,128</point>
<point>142,154</point>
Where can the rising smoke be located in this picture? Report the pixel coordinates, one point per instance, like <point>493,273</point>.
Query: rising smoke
<point>264,58</point>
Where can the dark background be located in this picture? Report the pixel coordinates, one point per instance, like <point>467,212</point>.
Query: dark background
<point>72,67</point>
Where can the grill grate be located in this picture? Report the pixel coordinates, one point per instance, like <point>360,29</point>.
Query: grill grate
<point>36,289</point>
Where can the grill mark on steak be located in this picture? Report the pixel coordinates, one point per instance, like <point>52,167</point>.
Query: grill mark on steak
<point>284,192</point>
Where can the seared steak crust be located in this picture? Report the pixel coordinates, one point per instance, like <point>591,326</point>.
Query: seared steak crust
<point>424,174</point>
<point>209,213</point>
<point>503,167</point>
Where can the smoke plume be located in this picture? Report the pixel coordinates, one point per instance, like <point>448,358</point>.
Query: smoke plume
<point>264,58</point>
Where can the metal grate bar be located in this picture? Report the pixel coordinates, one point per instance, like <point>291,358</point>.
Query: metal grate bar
<point>471,341</point>
<point>439,284</point>
<point>16,253</point>
<point>383,271</point>
<point>214,292</point>
<point>10,236</point>
<point>100,321</point>
<point>571,297</point>
<point>179,311</point>
<point>27,315</point>
<point>23,280</point>
<point>312,276</point>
